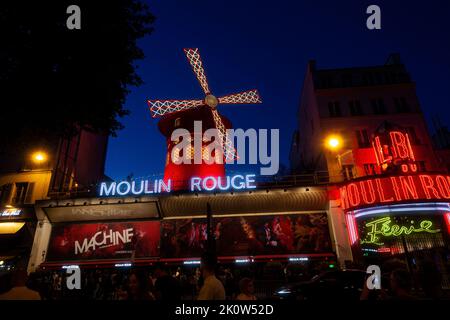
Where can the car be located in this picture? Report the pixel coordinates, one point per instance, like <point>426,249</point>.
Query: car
<point>340,284</point>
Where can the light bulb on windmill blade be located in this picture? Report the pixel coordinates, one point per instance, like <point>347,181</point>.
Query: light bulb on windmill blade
<point>159,108</point>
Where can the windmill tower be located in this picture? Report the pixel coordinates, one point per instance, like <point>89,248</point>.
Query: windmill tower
<point>183,113</point>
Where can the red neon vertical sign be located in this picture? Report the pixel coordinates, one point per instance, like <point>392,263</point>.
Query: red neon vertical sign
<point>447,221</point>
<point>352,228</point>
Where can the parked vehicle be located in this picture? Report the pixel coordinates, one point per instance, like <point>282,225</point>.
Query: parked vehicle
<point>340,284</point>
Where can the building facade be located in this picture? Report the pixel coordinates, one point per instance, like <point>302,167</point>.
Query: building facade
<point>43,172</point>
<point>389,187</point>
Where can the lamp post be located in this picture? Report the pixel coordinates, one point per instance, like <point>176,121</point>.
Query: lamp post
<point>335,143</point>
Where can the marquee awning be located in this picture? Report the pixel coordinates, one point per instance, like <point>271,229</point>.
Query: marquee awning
<point>97,212</point>
<point>258,201</point>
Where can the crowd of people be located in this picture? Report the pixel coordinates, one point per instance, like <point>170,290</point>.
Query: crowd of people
<point>207,282</point>
<point>159,282</point>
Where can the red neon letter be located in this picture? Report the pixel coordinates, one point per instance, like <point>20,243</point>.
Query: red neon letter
<point>428,184</point>
<point>381,192</point>
<point>379,151</point>
<point>396,189</point>
<point>399,147</point>
<point>353,195</point>
<point>371,192</point>
<point>443,187</point>
<point>344,197</point>
<point>408,187</point>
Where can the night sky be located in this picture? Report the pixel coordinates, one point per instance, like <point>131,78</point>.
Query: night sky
<point>267,45</point>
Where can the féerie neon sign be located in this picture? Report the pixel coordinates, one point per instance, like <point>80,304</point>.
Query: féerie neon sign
<point>147,187</point>
<point>384,227</point>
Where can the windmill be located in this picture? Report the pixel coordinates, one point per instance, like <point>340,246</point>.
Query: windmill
<point>200,109</point>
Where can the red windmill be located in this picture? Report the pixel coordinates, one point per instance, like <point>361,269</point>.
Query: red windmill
<point>182,114</point>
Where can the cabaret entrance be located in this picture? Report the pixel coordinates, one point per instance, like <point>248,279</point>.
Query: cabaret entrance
<point>285,225</point>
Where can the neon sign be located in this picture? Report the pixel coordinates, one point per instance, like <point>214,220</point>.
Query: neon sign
<point>447,221</point>
<point>146,187</point>
<point>384,227</point>
<point>236,182</point>
<point>143,187</point>
<point>394,149</point>
<point>11,212</point>
<point>394,189</point>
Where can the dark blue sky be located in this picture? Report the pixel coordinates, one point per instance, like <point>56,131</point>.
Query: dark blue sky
<point>266,45</point>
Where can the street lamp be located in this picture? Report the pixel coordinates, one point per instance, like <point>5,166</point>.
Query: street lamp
<point>39,157</point>
<point>333,142</point>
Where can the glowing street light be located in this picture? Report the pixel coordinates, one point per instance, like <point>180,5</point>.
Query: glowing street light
<point>39,156</point>
<point>333,142</point>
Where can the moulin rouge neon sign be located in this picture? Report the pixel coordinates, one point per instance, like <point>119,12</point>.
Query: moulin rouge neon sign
<point>376,191</point>
<point>146,187</point>
<point>384,227</point>
<point>394,154</point>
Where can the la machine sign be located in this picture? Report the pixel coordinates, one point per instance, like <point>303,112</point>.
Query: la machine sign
<point>394,189</point>
<point>148,187</point>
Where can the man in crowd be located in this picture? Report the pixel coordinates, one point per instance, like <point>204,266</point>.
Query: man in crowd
<point>166,287</point>
<point>212,288</point>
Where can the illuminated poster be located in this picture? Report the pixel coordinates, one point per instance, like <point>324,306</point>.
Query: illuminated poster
<point>120,240</point>
<point>248,235</point>
<point>181,238</point>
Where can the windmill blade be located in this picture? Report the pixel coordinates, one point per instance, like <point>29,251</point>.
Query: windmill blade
<point>227,145</point>
<point>250,96</point>
<point>159,108</point>
<point>195,60</point>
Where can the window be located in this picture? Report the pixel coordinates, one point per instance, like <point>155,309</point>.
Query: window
<point>327,82</point>
<point>378,78</point>
<point>401,105</point>
<point>363,138</point>
<point>335,109</point>
<point>347,171</point>
<point>22,190</point>
<point>368,79</point>
<point>421,166</point>
<point>412,135</point>
<point>347,80</point>
<point>387,77</point>
<point>5,193</point>
<point>355,108</point>
<point>378,106</point>
<point>369,169</point>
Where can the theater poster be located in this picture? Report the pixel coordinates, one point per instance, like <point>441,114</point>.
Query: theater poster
<point>248,235</point>
<point>118,240</point>
<point>182,238</point>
